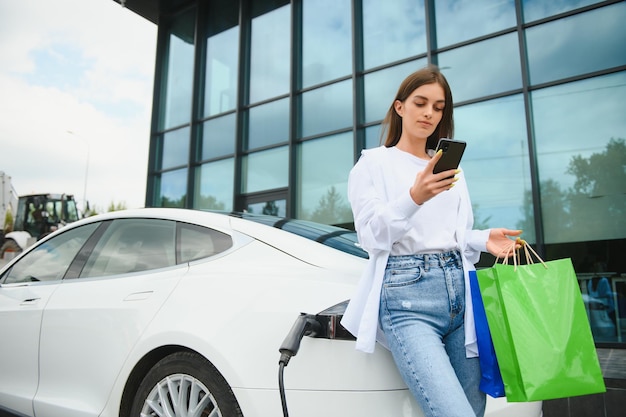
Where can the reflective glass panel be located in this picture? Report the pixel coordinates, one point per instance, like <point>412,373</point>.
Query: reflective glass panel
<point>214,185</point>
<point>372,136</point>
<point>496,163</point>
<point>268,124</point>
<point>322,184</point>
<point>381,88</point>
<point>176,88</point>
<point>50,260</point>
<point>580,131</point>
<point>578,44</point>
<point>460,20</point>
<point>218,137</point>
<point>538,9</point>
<point>484,68</point>
<point>271,208</point>
<point>175,148</point>
<point>132,245</point>
<point>326,40</point>
<point>222,52</point>
<point>326,109</point>
<point>265,170</point>
<point>392,30</point>
<point>171,189</point>
<point>270,54</point>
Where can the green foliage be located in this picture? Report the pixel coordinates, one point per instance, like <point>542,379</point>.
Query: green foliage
<point>116,207</point>
<point>8,221</point>
<point>332,209</point>
<point>594,203</point>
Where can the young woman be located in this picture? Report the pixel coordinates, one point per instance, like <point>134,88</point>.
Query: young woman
<point>417,228</point>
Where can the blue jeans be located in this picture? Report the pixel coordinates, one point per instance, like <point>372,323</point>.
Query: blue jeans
<point>421,312</point>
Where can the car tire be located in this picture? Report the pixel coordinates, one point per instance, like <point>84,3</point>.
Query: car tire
<point>184,384</point>
<point>9,245</point>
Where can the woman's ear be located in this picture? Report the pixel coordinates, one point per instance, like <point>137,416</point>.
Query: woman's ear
<point>399,107</point>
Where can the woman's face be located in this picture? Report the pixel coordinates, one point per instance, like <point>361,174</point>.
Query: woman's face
<point>422,111</point>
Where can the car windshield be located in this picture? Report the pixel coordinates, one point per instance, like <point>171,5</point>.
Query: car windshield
<point>336,237</point>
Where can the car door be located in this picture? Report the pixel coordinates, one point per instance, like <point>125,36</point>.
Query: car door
<point>25,289</point>
<point>92,322</point>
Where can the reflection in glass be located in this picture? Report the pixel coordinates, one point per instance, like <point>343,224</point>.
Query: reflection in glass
<point>578,44</point>
<point>484,68</point>
<point>580,130</point>
<point>270,54</point>
<point>178,72</point>
<point>175,148</point>
<point>459,21</point>
<point>326,109</point>
<point>322,183</point>
<point>221,57</point>
<point>268,124</point>
<point>392,30</point>
<point>496,163</point>
<point>381,88</point>
<point>218,137</point>
<point>538,9</point>
<point>372,136</point>
<point>265,170</point>
<point>214,185</point>
<point>171,189</point>
<point>326,40</point>
<point>270,208</point>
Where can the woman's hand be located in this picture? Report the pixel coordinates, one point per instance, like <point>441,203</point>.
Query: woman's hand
<point>499,242</point>
<point>427,185</point>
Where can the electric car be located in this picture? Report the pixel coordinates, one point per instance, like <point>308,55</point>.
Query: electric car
<point>175,312</point>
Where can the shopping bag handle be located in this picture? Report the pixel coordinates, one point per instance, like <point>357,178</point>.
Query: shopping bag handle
<point>527,251</point>
<point>512,248</point>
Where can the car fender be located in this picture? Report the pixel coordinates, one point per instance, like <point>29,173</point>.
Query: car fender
<point>20,237</point>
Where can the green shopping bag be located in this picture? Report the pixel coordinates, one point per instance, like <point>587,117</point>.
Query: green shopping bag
<point>540,330</point>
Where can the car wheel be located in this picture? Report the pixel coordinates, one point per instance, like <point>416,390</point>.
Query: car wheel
<point>184,384</point>
<point>9,245</point>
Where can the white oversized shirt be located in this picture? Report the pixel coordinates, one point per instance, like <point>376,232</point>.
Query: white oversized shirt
<point>388,222</point>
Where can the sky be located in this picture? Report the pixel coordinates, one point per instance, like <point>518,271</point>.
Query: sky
<point>76,83</point>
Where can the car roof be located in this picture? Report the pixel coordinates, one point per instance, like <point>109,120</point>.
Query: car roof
<point>302,239</point>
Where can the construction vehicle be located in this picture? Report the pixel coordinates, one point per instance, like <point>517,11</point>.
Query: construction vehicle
<point>36,216</point>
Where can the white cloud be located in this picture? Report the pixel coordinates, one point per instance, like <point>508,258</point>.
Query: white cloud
<point>84,66</point>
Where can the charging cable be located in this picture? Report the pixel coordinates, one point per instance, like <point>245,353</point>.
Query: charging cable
<point>305,325</point>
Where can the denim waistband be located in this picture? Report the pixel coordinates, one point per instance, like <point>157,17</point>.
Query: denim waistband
<point>450,258</point>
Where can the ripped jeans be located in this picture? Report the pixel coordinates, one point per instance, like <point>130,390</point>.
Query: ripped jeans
<point>422,308</point>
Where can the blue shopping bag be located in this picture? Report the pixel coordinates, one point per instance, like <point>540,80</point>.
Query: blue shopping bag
<point>491,380</point>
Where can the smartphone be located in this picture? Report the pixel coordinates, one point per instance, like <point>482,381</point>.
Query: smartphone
<point>452,153</point>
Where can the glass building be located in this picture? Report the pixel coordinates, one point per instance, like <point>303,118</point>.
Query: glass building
<point>265,105</point>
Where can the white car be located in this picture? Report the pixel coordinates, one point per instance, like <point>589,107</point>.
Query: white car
<point>174,312</point>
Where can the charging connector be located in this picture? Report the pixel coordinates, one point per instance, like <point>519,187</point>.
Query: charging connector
<point>305,325</point>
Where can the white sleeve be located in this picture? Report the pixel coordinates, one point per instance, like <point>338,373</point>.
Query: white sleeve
<point>379,223</point>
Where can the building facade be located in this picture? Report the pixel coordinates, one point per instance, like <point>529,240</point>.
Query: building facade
<point>265,106</point>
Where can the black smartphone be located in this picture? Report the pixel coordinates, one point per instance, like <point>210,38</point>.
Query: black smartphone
<point>452,153</point>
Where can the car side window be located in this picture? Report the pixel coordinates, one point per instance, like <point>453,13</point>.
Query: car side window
<point>132,245</point>
<point>197,242</point>
<point>50,260</point>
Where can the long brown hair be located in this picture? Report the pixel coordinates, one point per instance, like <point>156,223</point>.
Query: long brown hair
<point>392,124</point>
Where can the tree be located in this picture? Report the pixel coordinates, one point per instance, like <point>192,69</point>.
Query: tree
<point>332,209</point>
<point>593,207</point>
<point>117,207</point>
<point>598,197</point>
<point>209,202</point>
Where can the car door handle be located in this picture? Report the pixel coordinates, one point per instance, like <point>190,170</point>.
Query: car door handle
<point>30,301</point>
<point>137,296</point>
